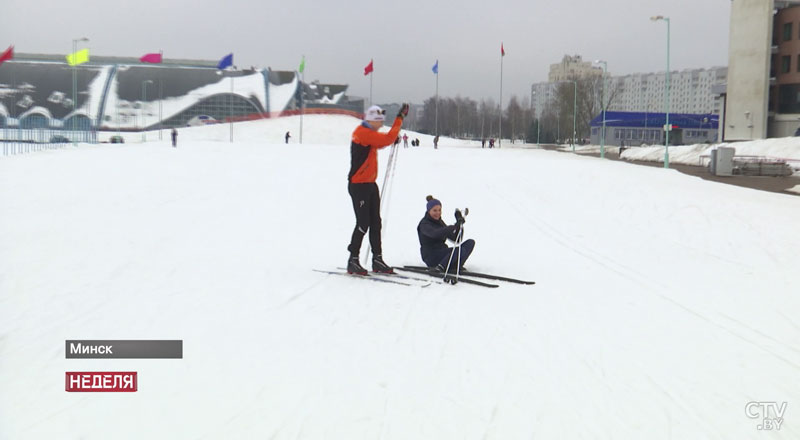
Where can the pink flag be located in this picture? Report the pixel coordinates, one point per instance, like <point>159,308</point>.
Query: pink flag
<point>151,58</point>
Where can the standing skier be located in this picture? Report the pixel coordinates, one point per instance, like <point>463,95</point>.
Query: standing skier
<point>287,136</point>
<point>174,137</point>
<point>366,141</point>
<point>433,232</point>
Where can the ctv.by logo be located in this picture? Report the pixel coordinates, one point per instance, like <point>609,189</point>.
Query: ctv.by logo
<point>765,411</point>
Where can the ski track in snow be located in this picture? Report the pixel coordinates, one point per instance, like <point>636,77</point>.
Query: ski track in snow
<point>663,304</point>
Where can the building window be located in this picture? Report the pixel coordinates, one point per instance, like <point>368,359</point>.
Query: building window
<point>789,98</point>
<point>787,31</point>
<point>786,63</point>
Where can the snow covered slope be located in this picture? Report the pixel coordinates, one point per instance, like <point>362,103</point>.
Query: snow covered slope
<point>663,304</point>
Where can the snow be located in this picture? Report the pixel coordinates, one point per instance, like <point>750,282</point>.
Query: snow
<point>778,148</point>
<point>37,110</point>
<point>96,87</point>
<point>247,86</point>
<point>663,305</point>
<point>279,96</point>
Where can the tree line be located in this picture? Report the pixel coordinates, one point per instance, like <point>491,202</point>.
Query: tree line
<point>465,118</point>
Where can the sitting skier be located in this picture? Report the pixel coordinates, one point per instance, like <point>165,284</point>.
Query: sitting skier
<point>433,232</point>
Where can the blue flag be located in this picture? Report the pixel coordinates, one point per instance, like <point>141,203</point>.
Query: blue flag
<point>436,67</point>
<point>226,61</point>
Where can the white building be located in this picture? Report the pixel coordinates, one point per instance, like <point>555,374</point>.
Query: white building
<point>572,67</point>
<point>644,92</point>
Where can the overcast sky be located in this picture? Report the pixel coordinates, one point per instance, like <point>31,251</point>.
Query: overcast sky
<point>404,38</point>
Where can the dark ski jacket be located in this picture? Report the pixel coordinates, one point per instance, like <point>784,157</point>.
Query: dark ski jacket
<point>432,236</point>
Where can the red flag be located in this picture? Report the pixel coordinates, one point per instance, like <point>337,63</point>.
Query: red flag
<point>7,55</point>
<point>151,58</point>
<point>368,69</point>
<point>502,51</point>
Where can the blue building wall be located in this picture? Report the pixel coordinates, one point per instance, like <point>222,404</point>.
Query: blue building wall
<point>635,128</point>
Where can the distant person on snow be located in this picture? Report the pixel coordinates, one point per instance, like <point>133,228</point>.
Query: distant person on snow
<point>287,136</point>
<point>174,137</point>
<point>433,232</point>
<point>366,141</point>
<point>405,140</point>
<point>436,141</point>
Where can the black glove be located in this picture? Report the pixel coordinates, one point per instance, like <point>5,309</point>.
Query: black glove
<point>459,218</point>
<point>403,111</point>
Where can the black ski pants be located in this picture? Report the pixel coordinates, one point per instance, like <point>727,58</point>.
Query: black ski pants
<point>367,206</point>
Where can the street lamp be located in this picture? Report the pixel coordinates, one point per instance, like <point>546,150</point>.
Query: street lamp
<point>144,97</point>
<point>602,104</point>
<point>574,112</point>
<point>230,73</point>
<point>538,123</point>
<point>75,87</point>
<point>667,127</point>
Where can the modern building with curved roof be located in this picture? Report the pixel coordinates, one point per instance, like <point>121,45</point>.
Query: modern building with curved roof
<point>123,94</point>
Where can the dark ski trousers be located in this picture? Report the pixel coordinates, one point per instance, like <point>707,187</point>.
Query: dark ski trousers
<point>442,256</point>
<point>367,206</point>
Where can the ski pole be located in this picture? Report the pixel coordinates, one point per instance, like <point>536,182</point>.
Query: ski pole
<point>384,185</point>
<point>459,238</point>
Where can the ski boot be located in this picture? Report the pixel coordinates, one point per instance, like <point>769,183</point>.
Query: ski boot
<point>379,266</point>
<point>354,267</point>
<point>449,277</point>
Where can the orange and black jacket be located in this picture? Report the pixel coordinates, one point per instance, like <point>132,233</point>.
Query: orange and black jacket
<point>364,151</point>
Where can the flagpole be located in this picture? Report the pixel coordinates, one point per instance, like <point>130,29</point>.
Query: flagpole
<point>160,97</point>
<point>370,86</point>
<point>437,98</point>
<point>74,90</point>
<point>231,108</point>
<point>500,124</point>
<point>302,101</point>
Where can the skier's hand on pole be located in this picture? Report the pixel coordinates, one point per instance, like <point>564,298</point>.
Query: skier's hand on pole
<point>403,111</point>
<point>460,220</point>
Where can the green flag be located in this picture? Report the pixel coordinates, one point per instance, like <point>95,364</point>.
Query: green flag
<point>302,65</point>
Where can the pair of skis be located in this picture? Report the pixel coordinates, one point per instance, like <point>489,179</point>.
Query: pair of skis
<point>403,280</point>
<point>466,277</point>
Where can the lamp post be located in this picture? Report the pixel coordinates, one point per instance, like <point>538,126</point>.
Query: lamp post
<point>667,127</point>
<point>144,97</point>
<point>538,130</point>
<point>574,110</point>
<point>229,72</point>
<point>603,105</point>
<point>75,87</point>
<point>574,113</point>
<point>538,120</point>
<point>230,120</point>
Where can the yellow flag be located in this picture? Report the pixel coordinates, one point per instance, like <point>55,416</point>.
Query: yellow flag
<point>79,57</point>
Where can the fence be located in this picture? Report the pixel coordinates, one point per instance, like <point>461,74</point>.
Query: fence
<point>29,138</point>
